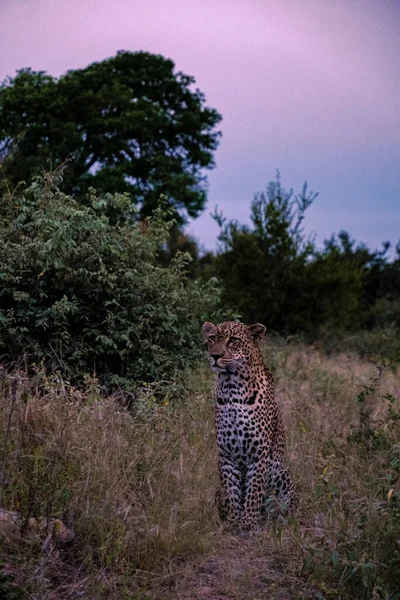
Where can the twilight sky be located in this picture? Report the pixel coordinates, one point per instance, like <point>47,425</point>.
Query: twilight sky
<point>311,87</point>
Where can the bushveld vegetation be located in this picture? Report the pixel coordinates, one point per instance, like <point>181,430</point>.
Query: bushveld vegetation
<point>137,487</point>
<point>106,424</point>
<point>273,272</point>
<point>83,292</point>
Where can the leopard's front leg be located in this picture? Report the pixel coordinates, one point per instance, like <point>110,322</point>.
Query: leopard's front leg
<point>256,477</point>
<point>231,492</point>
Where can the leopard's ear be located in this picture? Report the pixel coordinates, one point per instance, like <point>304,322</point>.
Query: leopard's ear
<point>208,328</point>
<point>256,331</point>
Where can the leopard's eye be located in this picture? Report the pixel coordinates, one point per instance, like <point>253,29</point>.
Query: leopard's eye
<point>233,340</point>
<point>211,339</point>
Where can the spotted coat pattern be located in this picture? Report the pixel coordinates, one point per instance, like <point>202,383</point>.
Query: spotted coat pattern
<point>249,428</point>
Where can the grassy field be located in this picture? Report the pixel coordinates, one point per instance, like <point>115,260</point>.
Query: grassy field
<point>137,486</point>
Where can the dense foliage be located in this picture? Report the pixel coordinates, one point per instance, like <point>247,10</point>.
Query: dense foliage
<point>273,273</point>
<point>262,268</point>
<point>90,286</point>
<point>86,293</point>
<point>131,123</point>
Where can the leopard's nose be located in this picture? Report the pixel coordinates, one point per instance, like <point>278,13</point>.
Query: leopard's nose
<point>216,356</point>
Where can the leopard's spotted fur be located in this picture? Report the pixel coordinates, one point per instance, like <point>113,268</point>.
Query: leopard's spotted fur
<point>249,428</point>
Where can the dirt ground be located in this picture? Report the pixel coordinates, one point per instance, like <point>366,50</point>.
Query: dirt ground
<point>241,569</point>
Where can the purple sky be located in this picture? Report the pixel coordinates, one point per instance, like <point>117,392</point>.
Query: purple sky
<point>311,87</point>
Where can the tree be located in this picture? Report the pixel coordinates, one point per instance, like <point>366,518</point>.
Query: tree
<point>262,268</point>
<point>272,273</point>
<point>130,123</point>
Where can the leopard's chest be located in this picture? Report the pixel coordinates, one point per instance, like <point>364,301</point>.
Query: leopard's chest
<point>242,431</point>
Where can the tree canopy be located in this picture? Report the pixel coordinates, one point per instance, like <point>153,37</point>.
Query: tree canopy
<point>273,273</point>
<point>261,266</point>
<point>129,123</point>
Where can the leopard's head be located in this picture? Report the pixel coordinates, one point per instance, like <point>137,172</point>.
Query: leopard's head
<point>232,346</point>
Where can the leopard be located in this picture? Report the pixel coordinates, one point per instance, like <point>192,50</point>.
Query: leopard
<point>249,428</point>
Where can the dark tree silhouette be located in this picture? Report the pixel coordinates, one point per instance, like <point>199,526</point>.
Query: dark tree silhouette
<point>130,123</point>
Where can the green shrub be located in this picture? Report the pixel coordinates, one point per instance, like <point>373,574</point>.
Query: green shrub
<point>82,290</point>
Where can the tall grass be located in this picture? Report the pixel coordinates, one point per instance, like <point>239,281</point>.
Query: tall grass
<point>136,485</point>
<point>133,485</point>
<point>343,420</point>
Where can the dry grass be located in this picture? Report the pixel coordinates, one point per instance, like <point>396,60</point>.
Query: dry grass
<point>137,488</point>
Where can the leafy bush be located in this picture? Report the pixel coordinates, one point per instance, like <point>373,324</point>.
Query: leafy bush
<point>82,289</point>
